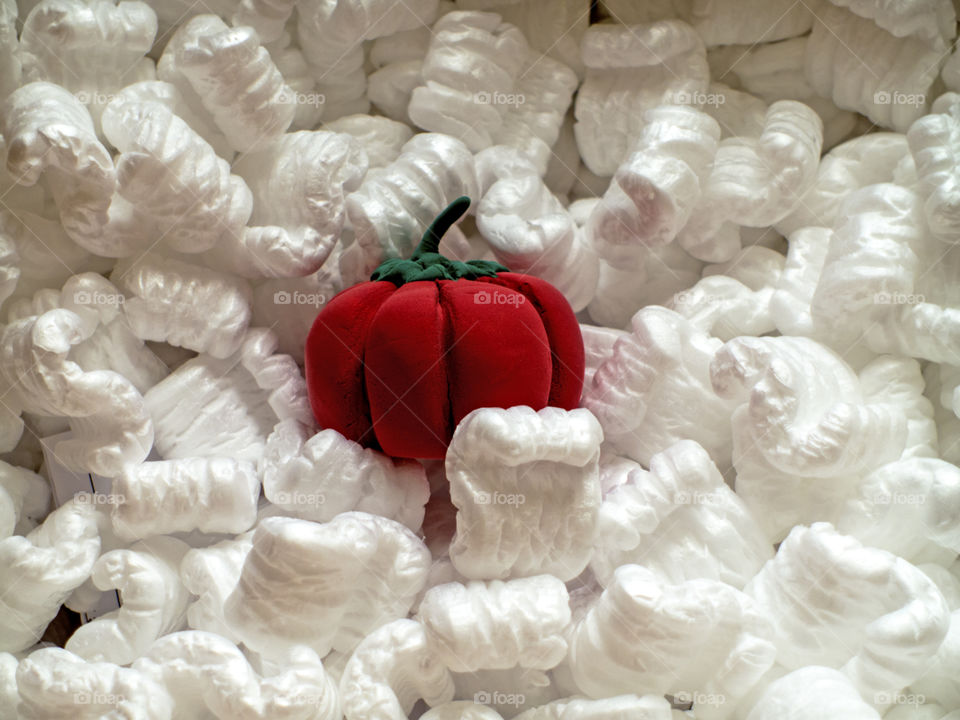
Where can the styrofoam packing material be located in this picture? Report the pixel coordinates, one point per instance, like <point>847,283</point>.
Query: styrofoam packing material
<point>560,561</point>
<point>91,49</point>
<point>154,601</point>
<point>393,207</point>
<point>880,641</point>
<point>529,229</point>
<point>615,92</point>
<point>900,48</point>
<point>473,61</point>
<point>44,566</point>
<point>526,488</point>
<point>325,585</point>
<point>318,476</point>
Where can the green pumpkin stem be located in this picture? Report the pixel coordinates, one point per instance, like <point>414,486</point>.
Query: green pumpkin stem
<point>426,262</point>
<point>430,242</point>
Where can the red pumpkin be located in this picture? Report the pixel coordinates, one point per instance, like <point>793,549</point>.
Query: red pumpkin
<point>397,362</point>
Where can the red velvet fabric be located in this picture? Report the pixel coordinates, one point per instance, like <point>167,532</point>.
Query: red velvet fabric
<point>406,373</point>
<point>333,360</point>
<point>398,368</point>
<point>563,335</point>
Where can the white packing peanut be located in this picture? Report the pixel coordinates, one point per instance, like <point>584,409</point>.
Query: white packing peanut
<point>905,506</point>
<point>393,207</point>
<point>172,187</point>
<point>380,137</point>
<point>24,500</point>
<point>679,519</point>
<point>92,49</point>
<point>49,132</point>
<point>331,35</point>
<point>210,494</point>
<point>108,416</point>
<point>859,162</point>
<point>154,602</point>
<point>10,66</point>
<point>885,275</point>
<point>110,344</point>
<point>729,22</point>
<point>654,192</point>
<point>203,671</point>
<point>861,610</point>
<point>528,228</point>
<point>534,115</point>
<point>804,431</point>
<point>526,487</point>
<point>933,141</point>
<point>810,693</point>
<point>647,707</point>
<point>38,571</point>
<point>630,70</point>
<point>309,103</point>
<point>316,476</point>
<point>227,407</point>
<point>182,304</point>
<point>880,60</point>
<point>647,636</point>
<point>469,77</point>
<point>234,79</point>
<point>211,573</point>
<point>553,28</point>
<point>755,181</point>
<point>733,298</point>
<point>497,624</point>
<point>176,98</point>
<point>775,71</point>
<point>55,684</point>
<point>653,389</point>
<point>666,270</point>
<point>939,679</point>
<point>325,585</point>
<point>299,184</point>
<point>278,376</point>
<point>389,671</point>
<point>267,17</point>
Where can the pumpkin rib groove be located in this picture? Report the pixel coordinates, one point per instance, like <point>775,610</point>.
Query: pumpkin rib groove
<point>445,343</point>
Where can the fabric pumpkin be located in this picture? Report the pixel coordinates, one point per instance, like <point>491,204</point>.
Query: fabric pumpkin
<point>397,362</point>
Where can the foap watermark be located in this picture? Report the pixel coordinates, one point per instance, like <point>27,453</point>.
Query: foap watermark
<point>698,97</point>
<point>293,97</point>
<point>697,498</point>
<point>499,98</point>
<point>495,697</point>
<point>305,699</point>
<point>899,498</point>
<point>87,498</point>
<point>495,297</point>
<point>297,297</point>
<point>97,297</point>
<point>299,498</point>
<point>499,498</point>
<point>884,97</point>
<point>695,699</point>
<point>97,698</point>
<point>898,298</point>
<point>695,298</point>
<point>95,97</point>
<point>684,297</point>
<point>899,698</point>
